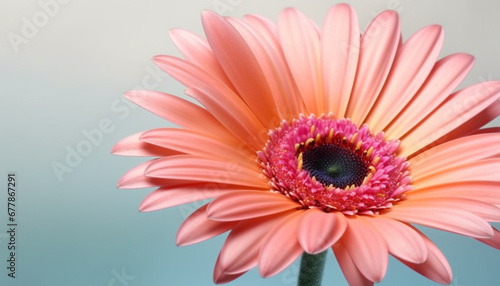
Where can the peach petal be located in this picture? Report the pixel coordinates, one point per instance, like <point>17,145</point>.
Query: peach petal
<point>493,241</point>
<point>136,179</point>
<point>445,76</point>
<point>436,267</point>
<point>487,130</point>
<point>197,169</point>
<point>132,146</point>
<point>166,197</point>
<point>401,240</point>
<point>275,70</point>
<point>455,111</point>
<point>470,126</point>
<point>265,27</point>
<point>281,247</point>
<point>365,245</point>
<point>461,150</point>
<point>301,45</point>
<point>378,48</point>
<point>289,100</point>
<point>348,267</point>
<point>248,204</point>
<point>240,65</point>
<point>340,42</point>
<point>187,141</point>
<point>214,95</point>
<point>483,170</point>
<point>220,277</point>
<point>197,228</point>
<point>412,64</point>
<point>197,50</point>
<point>485,191</point>
<point>444,218</point>
<point>174,109</point>
<point>243,245</point>
<point>484,210</point>
<point>318,230</point>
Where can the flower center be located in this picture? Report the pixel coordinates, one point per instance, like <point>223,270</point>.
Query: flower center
<point>334,165</point>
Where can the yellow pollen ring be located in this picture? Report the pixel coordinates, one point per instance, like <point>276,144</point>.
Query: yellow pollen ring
<point>353,138</point>
<point>369,153</point>
<point>300,162</point>
<point>375,161</point>
<point>372,169</point>
<point>330,136</point>
<point>351,187</point>
<point>359,145</point>
<point>309,141</point>
<point>297,146</point>
<point>369,176</point>
<point>318,137</point>
<point>312,129</point>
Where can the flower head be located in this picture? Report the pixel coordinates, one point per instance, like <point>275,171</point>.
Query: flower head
<point>310,139</point>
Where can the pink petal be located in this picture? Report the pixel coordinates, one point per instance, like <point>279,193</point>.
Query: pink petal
<point>455,111</point>
<point>340,42</point>
<point>214,95</point>
<point>187,141</point>
<point>471,125</point>
<point>440,217</point>
<point>132,146</point>
<point>485,191</point>
<point>461,150</point>
<point>248,204</point>
<point>281,247</point>
<point>493,241</point>
<point>301,46</point>
<point>436,266</point>
<point>365,245</point>
<point>484,170</point>
<point>220,277</point>
<point>484,210</point>
<point>166,197</point>
<point>401,240</point>
<point>487,130</point>
<point>266,28</point>
<point>279,76</point>
<point>198,169</point>
<point>378,48</point>
<point>275,70</point>
<point>319,230</point>
<point>446,75</point>
<point>240,65</point>
<point>197,228</point>
<point>413,63</point>
<point>349,268</point>
<point>243,245</point>
<point>174,109</point>
<point>136,179</point>
<point>197,50</point>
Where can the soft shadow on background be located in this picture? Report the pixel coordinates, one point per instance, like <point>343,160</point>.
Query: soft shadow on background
<point>64,66</point>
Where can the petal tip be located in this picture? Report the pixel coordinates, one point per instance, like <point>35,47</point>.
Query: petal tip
<point>145,207</point>
<point>208,17</point>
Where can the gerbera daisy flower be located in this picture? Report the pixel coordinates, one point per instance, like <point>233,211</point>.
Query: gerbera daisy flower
<point>309,139</point>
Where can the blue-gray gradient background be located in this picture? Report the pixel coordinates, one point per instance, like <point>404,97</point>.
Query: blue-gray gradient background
<point>63,78</point>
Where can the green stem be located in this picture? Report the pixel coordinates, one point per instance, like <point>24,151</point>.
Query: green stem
<point>311,269</point>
